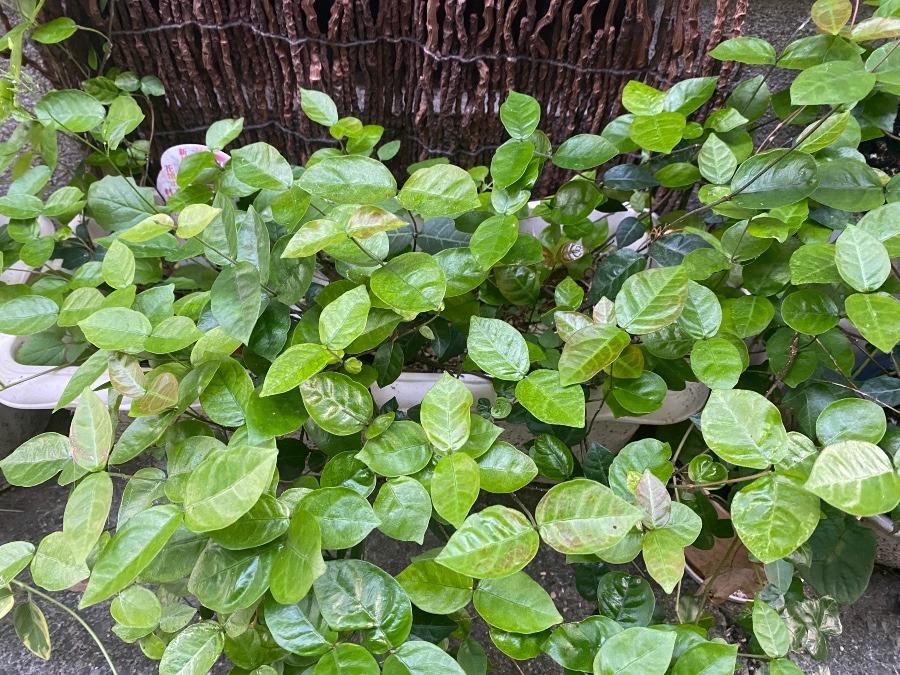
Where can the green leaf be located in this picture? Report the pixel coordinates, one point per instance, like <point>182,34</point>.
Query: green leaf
<point>851,419</point>
<point>510,162</point>
<point>118,265</point>
<point>707,658</point>
<point>293,367</point>
<point>492,543</point>
<point>856,477</point>
<point>70,109</point>
<point>299,628</point>
<point>299,562</point>
<point>404,507</point>
<point>225,485</point>
<point>344,319</point>
<point>751,50</point>
<point>412,282</point>
<point>235,300</point>
<point>116,329</point>
<point>27,314</point>
<point>664,557</point>
<point>520,114</point>
<point>318,107</point>
<point>574,645</point>
<point>809,311</point>
<point>774,178</point>
<point>347,658</point>
<point>37,460</point>
<point>130,550</point>
<point>345,518</point>
<point>91,433</point>
<point>440,190</point>
<point>400,450</point>
<point>137,607</point>
<point>642,99</point>
<point>626,599</point>
<point>118,203</point>
<point>261,166</point>
<point>493,239</point>
<point>832,83</point>
<point>356,595</point>
<point>842,558</point>
<point>636,650</point>
<point>581,516</point>
<point>770,630</point>
<point>593,348</point>
<point>435,588</point>
<point>313,236</point>
<point>552,457</point>
<point>542,394</point>
<point>336,403</point>
<point>417,657</point>
<point>445,414</point>
<point>743,428</point>
<point>861,259</point>
<point>516,603</point>
<point>830,16</point>
<point>848,184</point>
<point>877,316</point>
<point>689,95</point>
<point>717,363</point>
<point>123,117</point>
<point>498,348</point>
<point>194,650</point>
<point>225,581</point>
<point>54,31</point>
<point>504,469</point>
<point>454,487</point>
<point>31,627</point>
<point>222,132</point>
<point>652,299</point>
<point>584,151</point>
<point>351,179</point>
<point>658,133</point>
<point>773,516</point>
<point>716,160</point>
<point>14,557</point>
<point>784,667</point>
<point>194,219</point>
<point>367,221</point>
<point>86,512</point>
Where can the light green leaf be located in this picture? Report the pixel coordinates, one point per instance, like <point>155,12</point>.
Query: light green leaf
<point>195,650</point>
<point>652,299</point>
<point>751,50</point>
<point>504,468</point>
<point>445,414</point>
<point>118,265</point>
<point>235,300</point>
<point>86,512</point>
<point>861,259</point>
<point>664,557</point>
<point>345,518</point>
<point>27,314</point>
<point>294,366</point>
<point>707,658</point>
<point>877,316</point>
<point>116,328</point>
<point>832,83</point>
<point>351,179</point>
<point>716,160</point>
<point>434,588</point>
<point>412,282</point>
<point>225,485</point>
<point>123,117</point>
<point>338,404</point>
<point>222,132</point>
<point>774,178</point>
<point>542,394</point>
<point>498,348</point>
<point>261,166</point>
<point>658,133</point>
<point>717,363</point>
<point>31,627</point>
<point>773,516</point>
<point>344,319</point>
<point>417,657</point>
<point>454,487</point>
<point>37,460</point>
<point>14,557</point>
<point>194,219</point>
<point>582,516</point>
<point>400,450</point>
<point>299,562</point>
<point>770,630</point>
<point>585,151</point>
<point>91,433</point>
<point>636,650</point>
<point>851,419</point>
<point>318,107</point>
<point>70,109</point>
<point>130,550</point>
<point>440,190</point>
<point>743,428</point>
<point>492,543</point>
<point>516,603</point>
<point>856,477</point>
<point>404,507</point>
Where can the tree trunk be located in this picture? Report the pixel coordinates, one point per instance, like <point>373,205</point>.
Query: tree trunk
<point>432,72</point>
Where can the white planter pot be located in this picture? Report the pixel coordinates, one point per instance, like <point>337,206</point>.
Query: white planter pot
<point>608,430</point>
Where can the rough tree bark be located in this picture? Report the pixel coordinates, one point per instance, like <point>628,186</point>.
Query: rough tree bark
<point>427,70</point>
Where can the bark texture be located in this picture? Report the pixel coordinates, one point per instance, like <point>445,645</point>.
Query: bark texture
<point>432,72</point>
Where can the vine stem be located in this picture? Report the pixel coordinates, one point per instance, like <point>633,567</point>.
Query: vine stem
<point>75,616</point>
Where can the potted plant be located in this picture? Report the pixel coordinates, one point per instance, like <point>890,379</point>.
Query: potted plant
<point>253,324</point>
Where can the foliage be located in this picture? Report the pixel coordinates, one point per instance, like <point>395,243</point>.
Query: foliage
<point>242,325</point>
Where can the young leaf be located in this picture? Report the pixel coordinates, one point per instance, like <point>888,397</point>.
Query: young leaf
<point>516,603</point>
<point>445,414</point>
<point>498,348</point>
<point>454,487</point>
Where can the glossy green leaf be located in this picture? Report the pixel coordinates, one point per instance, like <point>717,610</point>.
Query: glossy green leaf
<point>86,512</point>
<point>445,414</point>
<point>417,657</point>
<point>652,299</point>
<point>717,363</point>
<point>770,630</point>
<point>542,394</point>
<point>412,282</point>
<point>14,557</point>
<point>434,588</point>
<point>831,83</point>
<point>492,543</point>
<point>856,477</point>
<point>515,603</point>
<point>877,316</point>
<point>439,190</point>
<point>574,645</point>
<point>752,50</point>
<point>261,166</point>
<point>774,178</point>
<point>581,516</point>
<point>498,348</point>
<point>293,367</point>
<point>626,599</point>
<point>225,485</point>
<point>635,650</point>
<point>504,468</point>
<point>400,450</point>
<point>344,319</point>
<point>31,627</point>
<point>454,487</point>
<point>70,109</point>
<point>743,428</point>
<point>37,460</point>
<point>851,419</point>
<point>345,518</point>
<point>116,329</point>
<point>336,403</point>
<point>707,658</point>
<point>195,650</point>
<point>773,516</point>
<point>403,506</point>
<point>861,259</point>
<point>130,550</point>
<point>586,151</point>
<point>27,314</point>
